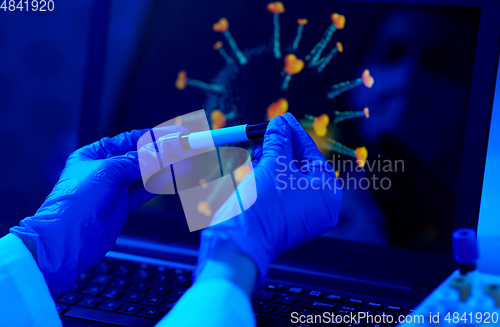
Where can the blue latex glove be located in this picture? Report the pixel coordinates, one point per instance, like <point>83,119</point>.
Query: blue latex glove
<point>81,218</point>
<point>281,217</point>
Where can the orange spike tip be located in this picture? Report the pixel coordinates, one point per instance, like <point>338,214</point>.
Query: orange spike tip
<point>320,125</point>
<point>221,26</point>
<point>218,45</point>
<point>293,65</point>
<point>181,80</point>
<point>337,173</point>
<point>367,79</point>
<point>338,20</point>
<point>302,21</point>
<point>178,120</point>
<point>340,47</point>
<point>218,119</point>
<point>203,183</point>
<point>204,208</point>
<point>242,172</point>
<point>277,108</point>
<point>367,112</point>
<point>361,155</point>
<point>276,7</point>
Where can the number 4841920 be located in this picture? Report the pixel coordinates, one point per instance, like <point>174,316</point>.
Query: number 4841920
<point>27,5</point>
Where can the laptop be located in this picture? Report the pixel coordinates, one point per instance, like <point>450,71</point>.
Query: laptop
<point>410,82</point>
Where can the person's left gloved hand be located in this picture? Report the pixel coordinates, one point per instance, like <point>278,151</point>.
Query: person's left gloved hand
<point>80,220</point>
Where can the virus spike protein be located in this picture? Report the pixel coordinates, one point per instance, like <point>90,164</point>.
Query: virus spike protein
<point>340,88</point>
<point>222,26</point>
<point>276,8</point>
<point>277,108</point>
<point>292,66</point>
<point>360,154</point>
<point>223,53</point>
<point>338,22</point>
<point>325,60</point>
<point>182,81</point>
<point>301,23</point>
<point>218,119</point>
<point>320,125</point>
<point>345,115</point>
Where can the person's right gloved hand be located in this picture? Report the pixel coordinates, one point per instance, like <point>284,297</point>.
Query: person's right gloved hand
<point>297,199</point>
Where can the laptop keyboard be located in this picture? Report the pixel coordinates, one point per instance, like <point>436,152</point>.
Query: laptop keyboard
<point>131,293</point>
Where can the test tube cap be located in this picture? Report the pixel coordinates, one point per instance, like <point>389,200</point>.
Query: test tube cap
<point>464,243</point>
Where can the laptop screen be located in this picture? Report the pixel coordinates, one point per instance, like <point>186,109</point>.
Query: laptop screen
<point>383,91</point>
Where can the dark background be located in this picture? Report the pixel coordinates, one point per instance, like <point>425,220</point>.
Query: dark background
<point>42,74</point>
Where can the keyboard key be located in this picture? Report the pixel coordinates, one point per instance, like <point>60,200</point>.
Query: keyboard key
<point>61,308</point>
<point>93,290</point>
<point>163,269</point>
<point>108,318</point>
<point>145,265</point>
<point>266,307</point>
<point>334,297</point>
<point>142,275</point>
<point>169,302</point>
<point>286,311</point>
<point>153,313</point>
<point>130,309</point>
<point>178,292</point>
<point>394,308</point>
<point>388,313</point>
<point>265,295</point>
<point>77,288</point>
<point>102,268</point>
<point>90,302</point>
<point>133,297</point>
<point>286,298</point>
<point>262,318</point>
<point>70,298</point>
<point>113,294</point>
<point>180,271</point>
<point>101,280</point>
<point>161,290</point>
<point>122,271</point>
<point>184,281</point>
<point>84,277</point>
<point>359,323</point>
<point>368,311</point>
<point>295,290</point>
<point>141,286</point>
<point>354,301</point>
<point>347,307</point>
<point>315,294</point>
<point>374,305</point>
<point>109,305</point>
<point>120,283</point>
<point>162,278</point>
<point>315,304</point>
<point>153,300</point>
<point>274,287</point>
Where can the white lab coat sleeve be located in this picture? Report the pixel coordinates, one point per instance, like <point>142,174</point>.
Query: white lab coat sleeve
<point>24,296</point>
<point>211,303</point>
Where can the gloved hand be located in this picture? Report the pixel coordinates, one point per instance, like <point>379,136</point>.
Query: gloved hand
<point>297,199</point>
<point>81,218</point>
